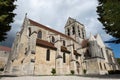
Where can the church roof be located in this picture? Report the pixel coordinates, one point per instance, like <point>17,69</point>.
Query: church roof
<point>46,28</point>
<point>4,48</point>
<point>64,49</point>
<point>44,43</point>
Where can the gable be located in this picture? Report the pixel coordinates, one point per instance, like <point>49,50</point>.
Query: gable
<point>70,21</point>
<point>100,41</point>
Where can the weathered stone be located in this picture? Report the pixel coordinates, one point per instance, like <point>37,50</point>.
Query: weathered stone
<point>38,49</point>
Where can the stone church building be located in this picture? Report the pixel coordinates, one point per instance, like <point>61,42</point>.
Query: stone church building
<point>38,49</point>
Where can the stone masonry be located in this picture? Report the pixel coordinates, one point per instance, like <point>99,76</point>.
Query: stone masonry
<point>38,49</point>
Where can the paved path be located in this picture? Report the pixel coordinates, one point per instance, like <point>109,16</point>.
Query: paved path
<point>53,78</point>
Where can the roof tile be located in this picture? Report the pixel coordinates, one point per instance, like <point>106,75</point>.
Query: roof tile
<point>44,43</point>
<point>4,48</point>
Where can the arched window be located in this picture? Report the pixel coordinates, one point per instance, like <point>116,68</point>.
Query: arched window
<point>83,33</point>
<point>100,66</point>
<point>53,39</point>
<point>68,30</point>
<point>39,35</point>
<point>78,31</point>
<point>63,43</point>
<point>29,31</point>
<point>105,66</point>
<point>73,30</point>
<point>78,64</point>
<point>48,55</point>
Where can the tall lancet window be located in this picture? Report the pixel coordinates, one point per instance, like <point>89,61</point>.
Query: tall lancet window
<point>53,39</point>
<point>73,30</point>
<point>68,30</point>
<point>63,43</point>
<point>83,33</point>
<point>39,35</point>
<point>64,58</point>
<point>48,55</point>
<point>78,31</point>
<point>29,31</point>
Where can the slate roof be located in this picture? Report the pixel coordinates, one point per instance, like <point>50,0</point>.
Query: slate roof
<point>45,44</point>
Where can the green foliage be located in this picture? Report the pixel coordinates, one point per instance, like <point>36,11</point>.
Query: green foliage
<point>109,16</point>
<point>84,70</point>
<point>6,17</point>
<point>118,60</point>
<point>72,72</point>
<point>53,71</point>
<point>114,72</point>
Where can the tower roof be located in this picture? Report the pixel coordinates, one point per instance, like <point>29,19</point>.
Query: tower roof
<point>70,21</point>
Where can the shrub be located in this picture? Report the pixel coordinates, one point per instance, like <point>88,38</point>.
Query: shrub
<point>84,70</point>
<point>114,72</point>
<point>1,69</point>
<point>53,71</point>
<point>72,72</point>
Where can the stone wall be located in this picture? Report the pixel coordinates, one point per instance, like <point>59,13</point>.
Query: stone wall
<point>42,66</point>
<point>3,59</point>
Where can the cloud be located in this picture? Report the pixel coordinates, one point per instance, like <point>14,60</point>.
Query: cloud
<point>55,13</point>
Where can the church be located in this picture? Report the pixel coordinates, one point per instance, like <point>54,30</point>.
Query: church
<point>37,49</point>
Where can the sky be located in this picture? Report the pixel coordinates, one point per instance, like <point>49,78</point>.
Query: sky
<point>54,14</point>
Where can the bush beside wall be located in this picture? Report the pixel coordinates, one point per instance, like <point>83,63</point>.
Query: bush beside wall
<point>114,72</point>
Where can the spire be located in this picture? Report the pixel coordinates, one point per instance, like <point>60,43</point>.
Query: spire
<point>25,14</point>
<point>26,20</point>
<point>92,38</point>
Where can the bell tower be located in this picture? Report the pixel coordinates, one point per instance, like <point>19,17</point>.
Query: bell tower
<point>75,29</point>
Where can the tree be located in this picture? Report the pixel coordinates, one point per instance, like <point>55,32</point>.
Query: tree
<point>118,60</point>
<point>53,71</point>
<point>6,17</point>
<point>109,16</point>
<point>72,72</point>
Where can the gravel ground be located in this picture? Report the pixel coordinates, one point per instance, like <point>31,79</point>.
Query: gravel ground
<point>54,78</point>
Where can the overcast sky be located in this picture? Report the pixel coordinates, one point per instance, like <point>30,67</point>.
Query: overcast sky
<point>54,14</point>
